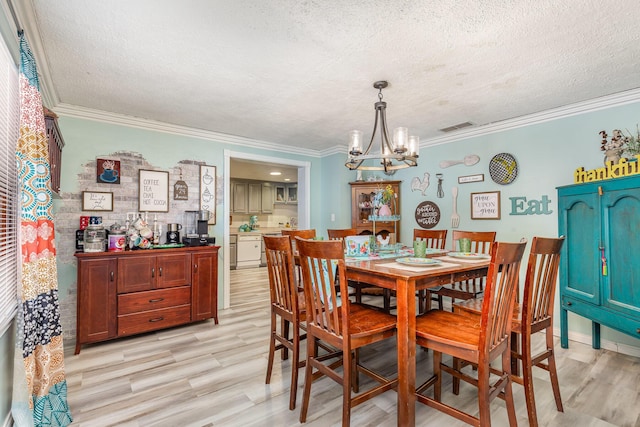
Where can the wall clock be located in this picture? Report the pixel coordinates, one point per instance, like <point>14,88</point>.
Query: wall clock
<point>503,168</point>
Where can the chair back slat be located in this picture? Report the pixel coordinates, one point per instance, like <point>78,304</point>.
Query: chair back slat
<point>540,284</point>
<point>280,263</point>
<point>481,241</point>
<point>340,234</point>
<point>322,266</point>
<point>436,239</point>
<point>499,294</point>
<point>305,234</point>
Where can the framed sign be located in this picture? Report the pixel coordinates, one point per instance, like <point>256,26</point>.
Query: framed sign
<point>427,214</point>
<point>108,171</point>
<point>485,205</point>
<point>471,178</point>
<point>208,191</point>
<point>97,201</point>
<point>153,192</point>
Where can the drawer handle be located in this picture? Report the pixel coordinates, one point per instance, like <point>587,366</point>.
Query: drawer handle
<point>160,271</point>
<point>153,272</point>
<point>112,276</point>
<point>156,300</point>
<point>195,268</point>
<point>157,319</point>
<point>569,303</point>
<point>638,330</point>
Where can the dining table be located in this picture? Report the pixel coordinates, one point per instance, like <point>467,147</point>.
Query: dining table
<point>405,275</point>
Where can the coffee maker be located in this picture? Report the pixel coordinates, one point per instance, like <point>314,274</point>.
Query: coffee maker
<point>173,233</point>
<point>197,225</point>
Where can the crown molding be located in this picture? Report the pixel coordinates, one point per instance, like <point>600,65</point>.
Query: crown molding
<point>136,122</point>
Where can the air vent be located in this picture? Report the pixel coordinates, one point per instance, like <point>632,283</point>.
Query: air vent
<point>457,127</point>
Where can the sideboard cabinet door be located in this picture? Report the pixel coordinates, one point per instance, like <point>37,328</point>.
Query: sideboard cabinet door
<point>96,305</point>
<point>205,286</point>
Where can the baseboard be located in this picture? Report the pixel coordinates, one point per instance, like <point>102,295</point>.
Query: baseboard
<point>607,345</point>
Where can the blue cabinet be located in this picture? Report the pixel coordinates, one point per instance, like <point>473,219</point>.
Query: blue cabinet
<point>600,262</point>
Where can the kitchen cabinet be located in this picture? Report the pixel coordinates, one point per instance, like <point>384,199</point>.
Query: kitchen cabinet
<point>252,197</point>
<point>267,197</point>
<point>362,194</point>
<point>286,193</point>
<point>131,292</point>
<point>55,143</point>
<point>255,197</point>
<point>599,269</point>
<point>240,196</point>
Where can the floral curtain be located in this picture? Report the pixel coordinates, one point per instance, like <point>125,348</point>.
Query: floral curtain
<point>39,385</point>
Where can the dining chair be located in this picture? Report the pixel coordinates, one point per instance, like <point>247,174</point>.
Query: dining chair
<point>478,342</point>
<point>287,303</point>
<point>534,314</point>
<point>292,234</point>
<point>436,239</point>
<point>361,288</point>
<point>339,323</point>
<point>481,242</point>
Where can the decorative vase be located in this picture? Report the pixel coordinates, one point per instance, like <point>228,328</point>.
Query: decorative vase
<point>384,210</point>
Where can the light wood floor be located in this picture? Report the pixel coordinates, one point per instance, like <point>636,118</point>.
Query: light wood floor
<point>207,375</point>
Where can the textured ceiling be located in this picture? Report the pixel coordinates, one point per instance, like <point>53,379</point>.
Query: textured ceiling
<point>300,73</point>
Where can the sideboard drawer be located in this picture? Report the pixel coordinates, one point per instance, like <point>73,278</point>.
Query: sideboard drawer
<point>153,300</point>
<point>152,320</point>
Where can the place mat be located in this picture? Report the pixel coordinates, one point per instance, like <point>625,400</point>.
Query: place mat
<point>464,260</point>
<point>416,268</point>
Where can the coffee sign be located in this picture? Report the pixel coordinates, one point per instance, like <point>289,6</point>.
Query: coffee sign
<point>427,214</point>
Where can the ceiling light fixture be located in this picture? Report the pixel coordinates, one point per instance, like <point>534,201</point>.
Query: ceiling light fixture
<point>400,153</point>
<point>275,173</point>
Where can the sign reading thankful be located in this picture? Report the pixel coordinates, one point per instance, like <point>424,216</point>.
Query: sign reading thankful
<point>619,170</point>
<point>427,214</point>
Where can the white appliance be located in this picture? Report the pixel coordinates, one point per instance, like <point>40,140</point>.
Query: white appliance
<point>249,248</point>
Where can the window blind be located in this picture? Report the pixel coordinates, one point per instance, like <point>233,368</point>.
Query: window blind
<point>9,220</point>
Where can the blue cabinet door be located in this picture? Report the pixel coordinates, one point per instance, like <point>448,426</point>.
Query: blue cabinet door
<point>580,261</point>
<point>621,222</point>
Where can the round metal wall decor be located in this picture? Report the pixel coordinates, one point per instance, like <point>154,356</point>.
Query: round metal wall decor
<point>427,214</point>
<point>503,168</point>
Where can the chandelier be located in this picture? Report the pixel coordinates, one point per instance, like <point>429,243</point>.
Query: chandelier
<point>399,153</point>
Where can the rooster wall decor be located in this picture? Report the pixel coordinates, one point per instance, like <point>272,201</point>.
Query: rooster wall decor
<point>417,184</point>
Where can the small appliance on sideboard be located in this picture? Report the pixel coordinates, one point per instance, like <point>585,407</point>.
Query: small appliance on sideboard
<point>197,229</point>
<point>173,233</point>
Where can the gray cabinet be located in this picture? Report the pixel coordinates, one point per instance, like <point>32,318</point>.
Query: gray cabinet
<point>240,196</point>
<point>255,197</point>
<point>267,197</point>
<point>286,193</point>
<point>252,197</point>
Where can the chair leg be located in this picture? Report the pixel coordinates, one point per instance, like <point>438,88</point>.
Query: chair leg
<point>272,348</point>
<point>285,333</point>
<point>347,382</point>
<point>457,365</point>
<point>308,377</point>
<point>484,389</point>
<point>295,366</point>
<point>355,378</point>
<point>553,373</point>
<point>527,379</point>
<point>437,372</point>
<point>508,390</point>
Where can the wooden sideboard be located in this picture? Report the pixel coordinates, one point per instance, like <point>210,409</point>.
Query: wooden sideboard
<point>131,292</point>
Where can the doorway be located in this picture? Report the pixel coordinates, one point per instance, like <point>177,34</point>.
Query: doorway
<point>304,218</point>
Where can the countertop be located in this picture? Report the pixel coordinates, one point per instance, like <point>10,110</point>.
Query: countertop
<point>261,230</point>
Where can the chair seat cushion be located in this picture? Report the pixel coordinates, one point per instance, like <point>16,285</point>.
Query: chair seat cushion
<point>449,328</point>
